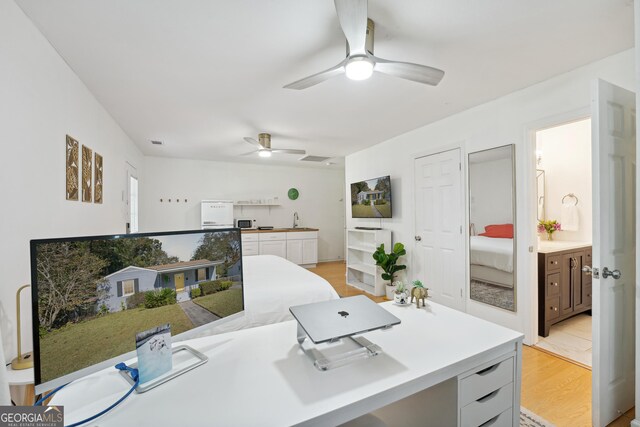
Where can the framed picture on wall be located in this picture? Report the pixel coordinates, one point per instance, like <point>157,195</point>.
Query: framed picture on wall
<point>97,184</point>
<point>87,163</point>
<point>71,169</point>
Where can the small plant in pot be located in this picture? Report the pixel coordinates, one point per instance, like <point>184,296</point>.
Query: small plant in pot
<point>388,262</point>
<point>401,294</point>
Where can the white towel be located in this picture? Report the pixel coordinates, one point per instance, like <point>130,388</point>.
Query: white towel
<point>569,219</point>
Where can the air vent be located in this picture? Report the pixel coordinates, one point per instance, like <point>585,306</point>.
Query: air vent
<point>314,159</point>
<point>157,142</point>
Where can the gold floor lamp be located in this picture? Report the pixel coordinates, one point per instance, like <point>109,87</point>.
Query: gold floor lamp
<point>22,361</point>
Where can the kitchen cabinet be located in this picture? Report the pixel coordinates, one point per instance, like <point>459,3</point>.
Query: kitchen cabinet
<point>564,290</point>
<point>299,246</point>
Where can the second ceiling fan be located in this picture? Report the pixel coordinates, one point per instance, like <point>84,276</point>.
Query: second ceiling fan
<point>360,62</point>
<point>264,149</point>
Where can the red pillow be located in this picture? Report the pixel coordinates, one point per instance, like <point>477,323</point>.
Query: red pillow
<point>503,231</point>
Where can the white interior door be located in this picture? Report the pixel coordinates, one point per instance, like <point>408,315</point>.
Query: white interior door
<point>614,170</point>
<point>439,259</point>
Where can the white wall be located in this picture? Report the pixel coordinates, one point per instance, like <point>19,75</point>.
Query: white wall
<point>566,160</point>
<point>507,120</point>
<point>42,101</point>
<point>319,205</point>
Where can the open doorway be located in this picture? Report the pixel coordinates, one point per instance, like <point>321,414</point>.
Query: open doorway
<point>564,213</point>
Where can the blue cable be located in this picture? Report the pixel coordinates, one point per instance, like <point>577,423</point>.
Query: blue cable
<point>121,366</point>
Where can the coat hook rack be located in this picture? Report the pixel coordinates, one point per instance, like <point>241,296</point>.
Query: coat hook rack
<point>571,195</point>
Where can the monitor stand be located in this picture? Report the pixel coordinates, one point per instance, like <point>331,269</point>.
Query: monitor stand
<point>338,352</point>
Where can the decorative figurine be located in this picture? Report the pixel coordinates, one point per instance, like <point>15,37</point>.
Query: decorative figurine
<point>419,292</point>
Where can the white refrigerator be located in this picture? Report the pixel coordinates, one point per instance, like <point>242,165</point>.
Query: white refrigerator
<point>216,214</point>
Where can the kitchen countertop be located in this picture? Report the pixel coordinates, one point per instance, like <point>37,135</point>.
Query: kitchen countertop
<point>278,230</point>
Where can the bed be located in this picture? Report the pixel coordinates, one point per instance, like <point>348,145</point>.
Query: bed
<point>491,260</point>
<point>271,285</point>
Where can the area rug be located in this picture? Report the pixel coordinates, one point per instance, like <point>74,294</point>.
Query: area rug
<point>529,419</point>
<point>491,294</point>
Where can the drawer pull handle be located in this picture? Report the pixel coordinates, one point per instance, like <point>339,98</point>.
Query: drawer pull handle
<point>488,396</point>
<point>490,369</point>
<point>491,422</point>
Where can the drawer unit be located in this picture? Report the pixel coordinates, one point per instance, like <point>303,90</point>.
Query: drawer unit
<point>487,407</point>
<point>486,394</point>
<point>552,308</point>
<point>553,284</point>
<point>270,237</point>
<point>250,237</point>
<point>505,419</point>
<point>485,381</point>
<point>302,235</point>
<point>250,248</point>
<point>553,262</point>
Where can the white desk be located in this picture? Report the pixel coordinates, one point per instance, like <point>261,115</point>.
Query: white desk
<point>260,376</point>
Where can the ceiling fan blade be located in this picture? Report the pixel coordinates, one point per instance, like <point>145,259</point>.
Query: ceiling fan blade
<point>352,15</point>
<point>249,153</point>
<point>317,78</point>
<point>407,70</point>
<point>253,142</point>
<point>288,151</point>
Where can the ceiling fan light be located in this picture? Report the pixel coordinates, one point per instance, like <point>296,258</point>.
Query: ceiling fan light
<point>359,68</point>
<point>264,153</point>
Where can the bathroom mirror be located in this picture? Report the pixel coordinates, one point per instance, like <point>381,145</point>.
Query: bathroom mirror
<point>541,195</point>
<point>492,248</point>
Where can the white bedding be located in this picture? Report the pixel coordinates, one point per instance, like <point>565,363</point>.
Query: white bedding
<point>492,252</point>
<point>271,285</point>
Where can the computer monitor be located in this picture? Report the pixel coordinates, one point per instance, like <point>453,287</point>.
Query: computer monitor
<point>91,295</point>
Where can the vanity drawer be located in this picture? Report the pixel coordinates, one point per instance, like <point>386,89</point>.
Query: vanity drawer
<point>553,284</point>
<point>487,407</point>
<point>250,248</point>
<point>553,262</point>
<point>268,237</point>
<point>552,308</point>
<point>250,237</point>
<point>483,382</point>
<point>505,419</point>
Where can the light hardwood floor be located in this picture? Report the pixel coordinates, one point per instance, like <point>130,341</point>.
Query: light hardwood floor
<point>553,388</point>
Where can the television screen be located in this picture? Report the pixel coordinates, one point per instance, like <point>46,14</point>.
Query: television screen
<point>91,295</point>
<point>371,198</point>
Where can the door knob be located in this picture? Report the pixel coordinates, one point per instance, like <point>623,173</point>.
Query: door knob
<point>418,238</point>
<point>608,273</point>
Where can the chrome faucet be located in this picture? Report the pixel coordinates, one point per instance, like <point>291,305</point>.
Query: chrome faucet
<point>295,219</point>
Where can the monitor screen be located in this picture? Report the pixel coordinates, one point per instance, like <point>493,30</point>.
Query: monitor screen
<point>91,295</point>
<point>371,198</point>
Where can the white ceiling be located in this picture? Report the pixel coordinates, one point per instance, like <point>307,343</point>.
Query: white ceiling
<point>202,74</point>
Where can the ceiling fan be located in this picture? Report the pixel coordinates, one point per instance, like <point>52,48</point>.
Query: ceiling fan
<point>264,149</point>
<point>360,61</point>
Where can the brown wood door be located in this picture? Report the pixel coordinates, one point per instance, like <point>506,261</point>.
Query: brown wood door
<point>579,294</point>
<point>566,285</point>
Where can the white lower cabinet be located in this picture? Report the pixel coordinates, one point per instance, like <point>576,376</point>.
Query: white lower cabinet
<point>299,247</point>
<point>310,251</point>
<point>486,396</point>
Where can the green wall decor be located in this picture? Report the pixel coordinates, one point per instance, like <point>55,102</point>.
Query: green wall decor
<point>293,193</point>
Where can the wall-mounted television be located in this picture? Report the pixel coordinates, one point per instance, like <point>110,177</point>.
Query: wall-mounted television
<point>371,198</point>
<point>91,295</point>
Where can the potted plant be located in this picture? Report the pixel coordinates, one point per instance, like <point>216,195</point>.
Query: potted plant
<point>549,226</point>
<point>388,262</point>
<point>401,294</point>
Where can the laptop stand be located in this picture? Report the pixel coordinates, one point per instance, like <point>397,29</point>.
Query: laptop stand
<point>325,361</point>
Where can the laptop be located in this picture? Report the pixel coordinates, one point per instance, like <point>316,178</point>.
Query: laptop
<point>340,318</point>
